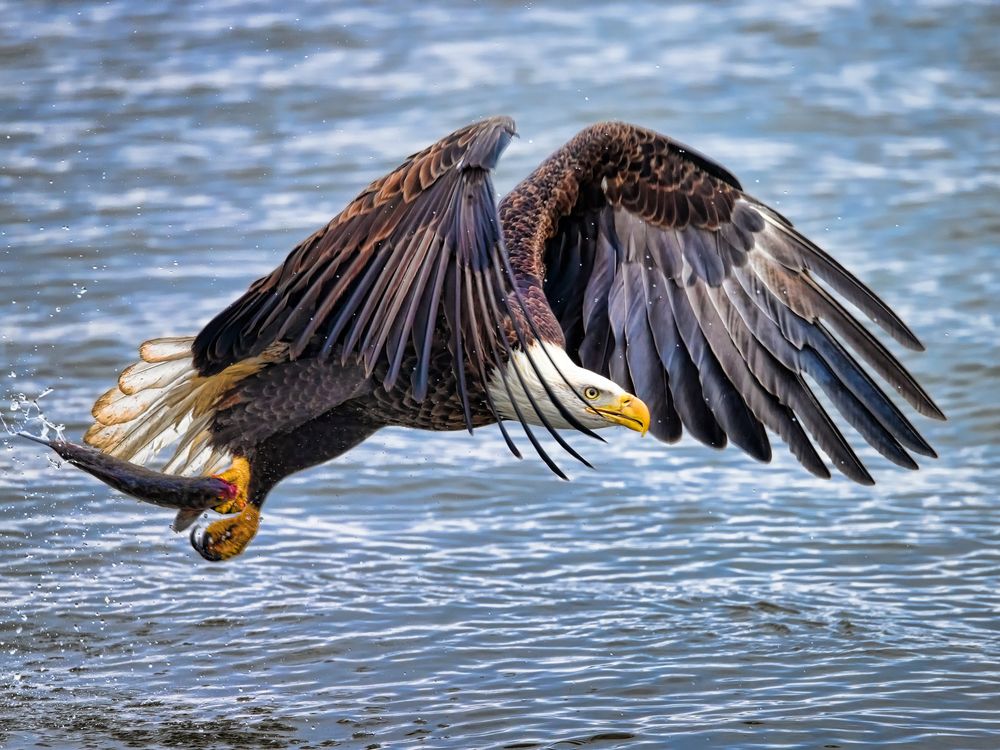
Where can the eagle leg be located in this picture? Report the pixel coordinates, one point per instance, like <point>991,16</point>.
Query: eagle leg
<point>237,476</point>
<point>228,537</point>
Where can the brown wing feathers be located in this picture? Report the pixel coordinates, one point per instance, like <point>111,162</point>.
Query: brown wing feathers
<point>357,262</point>
<point>371,283</point>
<point>671,269</point>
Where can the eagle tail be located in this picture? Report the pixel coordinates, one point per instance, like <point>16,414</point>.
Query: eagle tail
<point>162,400</point>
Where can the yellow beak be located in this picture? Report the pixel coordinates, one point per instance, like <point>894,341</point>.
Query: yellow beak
<point>629,411</point>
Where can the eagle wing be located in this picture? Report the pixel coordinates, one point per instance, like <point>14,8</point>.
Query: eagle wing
<point>714,309</point>
<point>419,242</point>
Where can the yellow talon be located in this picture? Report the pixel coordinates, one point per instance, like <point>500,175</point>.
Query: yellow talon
<point>227,537</point>
<point>238,475</point>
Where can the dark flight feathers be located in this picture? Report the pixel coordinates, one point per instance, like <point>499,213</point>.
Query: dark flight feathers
<point>667,277</point>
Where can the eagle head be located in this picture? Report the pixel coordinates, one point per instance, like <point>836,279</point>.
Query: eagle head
<point>594,400</point>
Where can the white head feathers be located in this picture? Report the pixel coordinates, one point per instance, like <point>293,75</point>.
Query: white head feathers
<point>556,368</point>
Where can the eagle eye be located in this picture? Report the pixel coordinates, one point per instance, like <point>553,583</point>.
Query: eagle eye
<point>590,393</point>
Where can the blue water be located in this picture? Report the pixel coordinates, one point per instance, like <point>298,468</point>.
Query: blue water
<point>430,590</point>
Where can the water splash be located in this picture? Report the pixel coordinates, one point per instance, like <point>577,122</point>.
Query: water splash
<point>29,415</point>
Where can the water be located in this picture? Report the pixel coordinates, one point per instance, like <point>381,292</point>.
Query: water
<point>430,590</point>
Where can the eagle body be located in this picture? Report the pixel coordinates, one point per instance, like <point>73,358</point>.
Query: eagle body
<point>628,280</point>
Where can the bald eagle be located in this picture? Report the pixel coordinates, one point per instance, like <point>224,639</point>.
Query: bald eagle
<point>629,280</point>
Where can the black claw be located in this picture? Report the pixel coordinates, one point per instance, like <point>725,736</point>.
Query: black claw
<point>202,541</point>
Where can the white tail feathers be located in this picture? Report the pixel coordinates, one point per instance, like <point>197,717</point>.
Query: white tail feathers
<point>148,375</point>
<point>161,400</point>
<point>166,349</point>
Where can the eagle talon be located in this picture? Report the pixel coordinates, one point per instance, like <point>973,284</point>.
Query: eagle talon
<point>237,477</point>
<point>227,537</point>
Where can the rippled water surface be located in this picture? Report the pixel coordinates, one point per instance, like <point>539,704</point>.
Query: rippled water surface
<point>432,591</point>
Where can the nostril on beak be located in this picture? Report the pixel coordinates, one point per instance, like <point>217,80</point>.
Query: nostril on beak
<point>626,401</point>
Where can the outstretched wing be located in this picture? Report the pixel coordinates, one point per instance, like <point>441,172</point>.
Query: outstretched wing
<point>421,241</point>
<point>712,308</point>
